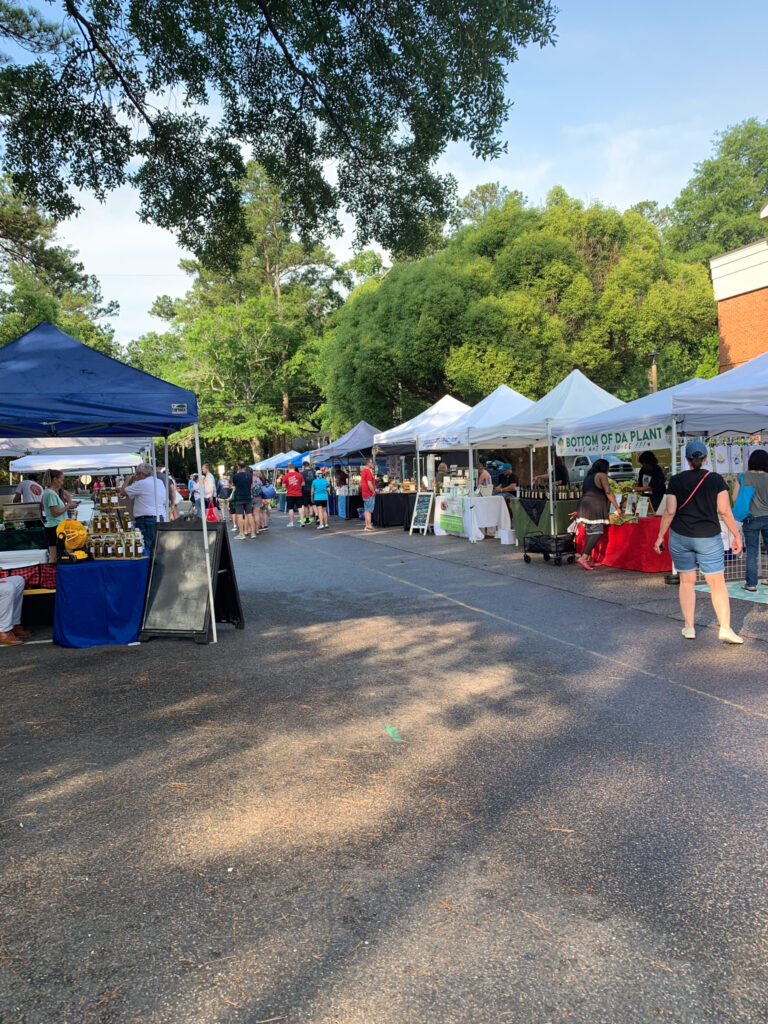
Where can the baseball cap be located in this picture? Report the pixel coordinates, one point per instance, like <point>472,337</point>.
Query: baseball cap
<point>694,448</point>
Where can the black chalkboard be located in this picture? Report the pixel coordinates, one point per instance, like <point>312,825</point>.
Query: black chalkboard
<point>422,511</point>
<point>177,597</point>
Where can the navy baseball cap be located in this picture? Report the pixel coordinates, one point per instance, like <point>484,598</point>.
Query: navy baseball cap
<point>694,448</point>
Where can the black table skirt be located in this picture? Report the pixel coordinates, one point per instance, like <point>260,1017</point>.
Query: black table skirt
<point>394,510</point>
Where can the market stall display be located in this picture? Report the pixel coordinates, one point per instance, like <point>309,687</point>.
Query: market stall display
<point>99,602</point>
<point>394,509</point>
<point>470,515</point>
<point>56,387</point>
<point>629,546</point>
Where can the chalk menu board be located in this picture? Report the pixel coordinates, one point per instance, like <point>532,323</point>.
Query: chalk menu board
<point>177,598</point>
<point>422,512</point>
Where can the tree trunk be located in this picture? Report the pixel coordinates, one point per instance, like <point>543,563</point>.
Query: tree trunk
<point>257,451</point>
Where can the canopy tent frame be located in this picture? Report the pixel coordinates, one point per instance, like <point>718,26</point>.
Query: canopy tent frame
<point>153,408</point>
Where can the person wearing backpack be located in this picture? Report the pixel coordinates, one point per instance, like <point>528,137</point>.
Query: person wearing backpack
<point>257,498</point>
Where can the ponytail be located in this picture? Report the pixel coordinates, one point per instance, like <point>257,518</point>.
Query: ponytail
<point>696,461</point>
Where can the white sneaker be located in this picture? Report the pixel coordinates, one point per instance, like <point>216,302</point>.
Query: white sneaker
<point>290,524</point>
<point>729,637</point>
<point>689,632</point>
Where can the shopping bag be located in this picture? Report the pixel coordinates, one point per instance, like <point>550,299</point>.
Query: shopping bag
<point>213,514</point>
<point>741,505</point>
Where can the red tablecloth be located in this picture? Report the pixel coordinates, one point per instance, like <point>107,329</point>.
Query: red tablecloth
<point>41,576</point>
<point>629,547</point>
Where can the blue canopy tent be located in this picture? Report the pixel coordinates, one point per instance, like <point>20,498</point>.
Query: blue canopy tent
<point>285,462</point>
<point>356,441</point>
<point>55,386</point>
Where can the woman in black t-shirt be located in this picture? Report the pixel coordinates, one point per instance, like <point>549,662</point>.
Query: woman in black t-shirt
<point>650,479</point>
<point>696,500</point>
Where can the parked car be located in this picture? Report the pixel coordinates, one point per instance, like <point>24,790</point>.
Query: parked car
<point>618,469</point>
<point>183,490</point>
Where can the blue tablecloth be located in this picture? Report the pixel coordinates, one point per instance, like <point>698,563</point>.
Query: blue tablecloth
<point>99,602</point>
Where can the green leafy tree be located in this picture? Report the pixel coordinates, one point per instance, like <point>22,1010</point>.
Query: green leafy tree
<point>246,340</point>
<point>718,210</point>
<point>377,90</point>
<point>521,298</point>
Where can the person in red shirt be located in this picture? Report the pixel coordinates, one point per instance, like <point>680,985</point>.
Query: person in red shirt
<point>294,486</point>
<point>368,492</point>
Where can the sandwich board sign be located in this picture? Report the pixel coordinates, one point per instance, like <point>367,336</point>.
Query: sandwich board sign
<point>421,519</point>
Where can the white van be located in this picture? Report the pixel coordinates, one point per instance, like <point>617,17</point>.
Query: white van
<point>578,467</point>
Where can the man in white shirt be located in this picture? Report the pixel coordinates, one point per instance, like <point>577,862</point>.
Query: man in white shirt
<point>148,496</point>
<point>29,489</point>
<point>209,484</point>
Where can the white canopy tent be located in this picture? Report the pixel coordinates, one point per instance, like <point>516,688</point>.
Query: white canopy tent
<point>405,437</point>
<point>645,424</point>
<point>19,446</point>
<point>272,461</point>
<point>573,398</point>
<point>736,402</point>
<point>501,404</point>
<point>95,462</point>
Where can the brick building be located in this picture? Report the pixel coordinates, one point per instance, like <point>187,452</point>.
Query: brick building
<point>740,280</point>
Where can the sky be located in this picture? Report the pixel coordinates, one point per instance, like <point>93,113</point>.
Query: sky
<point>619,110</point>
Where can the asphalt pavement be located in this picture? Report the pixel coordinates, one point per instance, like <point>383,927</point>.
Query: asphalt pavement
<point>426,784</point>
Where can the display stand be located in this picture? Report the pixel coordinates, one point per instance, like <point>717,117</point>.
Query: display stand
<point>177,602</point>
<point>423,512</point>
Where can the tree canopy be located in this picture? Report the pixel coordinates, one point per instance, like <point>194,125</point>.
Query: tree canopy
<point>718,210</point>
<point>345,105</point>
<point>521,297</point>
<point>246,340</point>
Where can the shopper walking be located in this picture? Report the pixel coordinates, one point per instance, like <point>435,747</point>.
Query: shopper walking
<point>320,500</point>
<point>594,508</point>
<point>755,525</point>
<point>368,493</point>
<point>242,482</point>
<point>307,511</point>
<point>294,492</point>
<point>695,499</point>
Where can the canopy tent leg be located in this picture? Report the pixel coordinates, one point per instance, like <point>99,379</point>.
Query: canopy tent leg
<point>530,465</point>
<point>549,475</point>
<point>674,465</point>
<point>205,537</point>
<point>470,492</point>
<point>154,481</point>
<point>167,483</point>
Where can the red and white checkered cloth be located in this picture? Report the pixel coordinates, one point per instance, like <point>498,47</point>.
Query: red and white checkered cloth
<point>42,577</point>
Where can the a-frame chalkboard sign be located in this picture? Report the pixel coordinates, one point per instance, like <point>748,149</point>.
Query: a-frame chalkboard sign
<point>422,517</point>
<point>177,597</point>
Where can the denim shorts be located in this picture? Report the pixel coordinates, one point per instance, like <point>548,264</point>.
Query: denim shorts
<point>687,551</point>
<point>369,503</point>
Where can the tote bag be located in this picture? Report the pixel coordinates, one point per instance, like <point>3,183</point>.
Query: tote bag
<point>741,507</point>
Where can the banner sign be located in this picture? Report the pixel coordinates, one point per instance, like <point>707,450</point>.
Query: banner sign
<point>606,442</point>
<point>451,514</point>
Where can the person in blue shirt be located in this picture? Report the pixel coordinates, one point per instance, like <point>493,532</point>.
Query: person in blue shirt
<point>320,499</point>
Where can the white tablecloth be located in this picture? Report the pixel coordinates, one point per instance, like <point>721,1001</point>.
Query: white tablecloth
<point>489,513</point>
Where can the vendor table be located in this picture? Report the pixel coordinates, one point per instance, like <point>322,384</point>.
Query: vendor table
<point>490,513</point>
<point>531,515</point>
<point>394,509</point>
<point>99,602</point>
<point>630,547</point>
<point>348,505</point>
